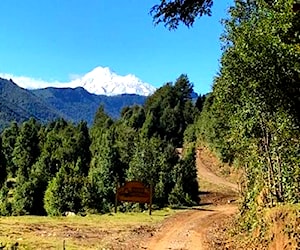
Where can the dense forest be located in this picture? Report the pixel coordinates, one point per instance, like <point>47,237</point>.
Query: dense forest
<point>60,166</point>
<point>251,119</point>
<point>18,104</point>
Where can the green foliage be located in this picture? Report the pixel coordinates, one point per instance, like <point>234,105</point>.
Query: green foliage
<point>46,105</point>
<point>200,102</point>
<point>186,189</point>
<point>9,137</point>
<point>252,115</point>
<point>18,104</point>
<point>64,143</point>
<point>102,120</point>
<point>3,172</point>
<point>147,161</point>
<point>5,205</point>
<point>133,117</point>
<point>61,167</point>
<point>172,12</point>
<point>169,111</point>
<point>213,128</point>
<point>64,192</point>
<point>106,169</point>
<point>125,141</point>
<point>190,134</point>
<point>28,198</point>
<point>26,150</point>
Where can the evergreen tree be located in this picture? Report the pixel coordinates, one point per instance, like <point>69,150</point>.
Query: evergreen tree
<point>200,102</point>
<point>3,172</point>
<point>186,189</point>
<point>9,136</point>
<point>252,115</point>
<point>152,163</point>
<point>28,198</point>
<point>64,192</point>
<point>169,111</point>
<point>133,117</point>
<point>26,150</point>
<point>105,171</point>
<point>125,139</point>
<point>5,204</point>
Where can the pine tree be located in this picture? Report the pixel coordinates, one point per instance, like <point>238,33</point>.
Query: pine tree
<point>26,149</point>
<point>9,136</point>
<point>3,172</point>
<point>64,192</point>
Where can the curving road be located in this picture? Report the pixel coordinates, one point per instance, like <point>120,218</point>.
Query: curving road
<point>188,229</point>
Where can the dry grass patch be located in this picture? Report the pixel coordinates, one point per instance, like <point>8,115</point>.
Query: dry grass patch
<point>89,232</point>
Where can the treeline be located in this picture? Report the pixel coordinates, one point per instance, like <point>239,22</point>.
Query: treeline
<point>58,167</point>
<point>251,119</point>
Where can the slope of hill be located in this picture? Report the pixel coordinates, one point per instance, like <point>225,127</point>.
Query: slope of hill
<point>99,81</point>
<point>78,104</point>
<point>19,104</point>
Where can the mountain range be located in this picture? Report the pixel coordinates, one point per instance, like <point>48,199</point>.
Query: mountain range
<point>103,81</point>
<point>99,81</point>
<point>73,104</point>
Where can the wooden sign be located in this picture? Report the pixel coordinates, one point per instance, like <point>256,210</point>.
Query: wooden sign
<point>134,191</point>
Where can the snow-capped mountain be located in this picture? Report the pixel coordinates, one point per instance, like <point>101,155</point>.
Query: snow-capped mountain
<point>100,81</point>
<point>103,81</point>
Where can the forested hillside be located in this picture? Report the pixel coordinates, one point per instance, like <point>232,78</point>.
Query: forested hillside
<point>45,105</point>
<point>17,104</point>
<point>80,105</point>
<point>251,119</point>
<point>57,167</point>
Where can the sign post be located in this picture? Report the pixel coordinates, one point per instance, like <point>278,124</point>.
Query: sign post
<point>116,198</point>
<point>150,203</point>
<point>134,191</point>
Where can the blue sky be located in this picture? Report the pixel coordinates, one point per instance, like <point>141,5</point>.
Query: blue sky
<point>55,40</point>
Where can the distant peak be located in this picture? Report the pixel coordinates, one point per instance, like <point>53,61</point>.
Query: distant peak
<point>99,81</point>
<point>102,80</point>
<point>101,70</point>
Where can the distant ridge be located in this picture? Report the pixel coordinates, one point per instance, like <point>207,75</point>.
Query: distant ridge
<point>79,104</point>
<point>100,81</point>
<point>18,104</point>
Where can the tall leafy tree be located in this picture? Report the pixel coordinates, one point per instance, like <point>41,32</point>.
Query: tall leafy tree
<point>133,117</point>
<point>26,150</point>
<point>3,172</point>
<point>9,137</point>
<point>64,192</point>
<point>105,171</point>
<point>125,139</point>
<point>169,111</point>
<point>146,162</point>
<point>254,104</point>
<point>186,189</point>
<point>152,164</point>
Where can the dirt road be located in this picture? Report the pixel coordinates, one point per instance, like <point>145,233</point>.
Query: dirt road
<point>189,229</point>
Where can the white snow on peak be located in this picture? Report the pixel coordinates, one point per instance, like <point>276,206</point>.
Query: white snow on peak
<point>103,81</point>
<point>99,81</point>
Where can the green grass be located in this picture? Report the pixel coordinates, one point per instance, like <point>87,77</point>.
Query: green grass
<point>89,232</point>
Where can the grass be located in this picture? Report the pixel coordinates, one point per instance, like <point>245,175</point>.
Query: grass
<point>275,228</point>
<point>212,187</point>
<point>89,232</point>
